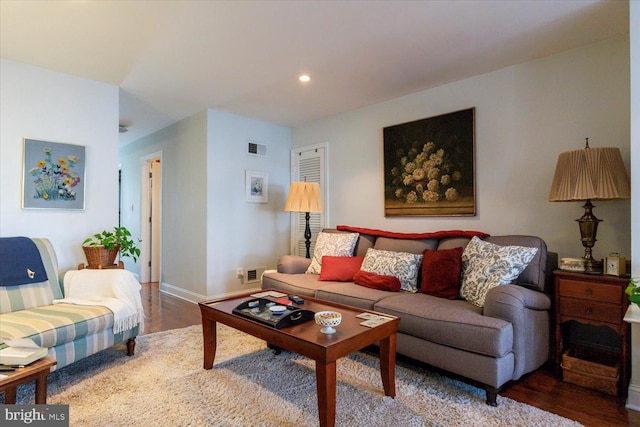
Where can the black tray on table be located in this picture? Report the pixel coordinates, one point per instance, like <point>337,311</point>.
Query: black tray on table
<point>260,313</point>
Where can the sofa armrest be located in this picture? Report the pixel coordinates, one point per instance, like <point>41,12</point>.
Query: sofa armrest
<point>528,312</point>
<point>293,264</point>
<point>502,299</point>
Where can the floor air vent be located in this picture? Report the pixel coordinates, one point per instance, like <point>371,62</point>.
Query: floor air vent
<point>254,275</point>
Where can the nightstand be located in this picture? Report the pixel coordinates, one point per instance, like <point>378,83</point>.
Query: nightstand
<point>592,299</point>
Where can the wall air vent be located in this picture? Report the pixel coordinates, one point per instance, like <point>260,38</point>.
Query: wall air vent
<point>254,274</point>
<point>255,149</point>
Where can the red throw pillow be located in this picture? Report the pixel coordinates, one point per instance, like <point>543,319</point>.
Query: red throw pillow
<point>441,272</point>
<point>377,281</point>
<point>340,268</point>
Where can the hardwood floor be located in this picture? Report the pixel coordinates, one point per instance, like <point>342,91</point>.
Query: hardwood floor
<point>540,389</point>
<point>164,312</point>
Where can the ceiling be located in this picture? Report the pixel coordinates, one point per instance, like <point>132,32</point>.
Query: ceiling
<point>172,59</point>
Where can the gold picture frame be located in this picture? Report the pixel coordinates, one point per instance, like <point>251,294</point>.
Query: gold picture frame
<point>429,166</point>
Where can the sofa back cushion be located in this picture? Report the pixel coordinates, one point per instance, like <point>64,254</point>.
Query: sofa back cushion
<point>21,297</point>
<point>412,246</point>
<point>453,242</point>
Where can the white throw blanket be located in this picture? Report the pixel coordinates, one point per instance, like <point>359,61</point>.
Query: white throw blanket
<point>118,290</point>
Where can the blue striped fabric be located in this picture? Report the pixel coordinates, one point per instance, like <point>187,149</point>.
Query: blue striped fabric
<point>67,353</point>
<point>51,325</point>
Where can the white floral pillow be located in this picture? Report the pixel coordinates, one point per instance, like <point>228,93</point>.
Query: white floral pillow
<point>332,244</point>
<point>403,265</point>
<point>486,265</point>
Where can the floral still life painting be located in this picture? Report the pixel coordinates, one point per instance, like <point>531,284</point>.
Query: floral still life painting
<point>54,175</point>
<point>429,166</point>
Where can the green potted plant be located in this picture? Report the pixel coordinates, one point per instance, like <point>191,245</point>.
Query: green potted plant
<point>101,249</point>
<point>633,291</point>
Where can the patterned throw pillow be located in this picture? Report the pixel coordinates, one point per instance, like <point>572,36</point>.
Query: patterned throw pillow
<point>486,265</point>
<point>331,244</point>
<point>403,265</point>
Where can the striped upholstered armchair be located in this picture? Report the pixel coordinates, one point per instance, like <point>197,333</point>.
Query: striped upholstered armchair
<point>70,331</point>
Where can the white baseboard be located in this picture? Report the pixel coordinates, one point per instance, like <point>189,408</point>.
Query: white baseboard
<point>633,398</point>
<point>195,297</point>
<point>181,293</point>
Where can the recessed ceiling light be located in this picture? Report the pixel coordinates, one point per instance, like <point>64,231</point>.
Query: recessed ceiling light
<point>304,78</point>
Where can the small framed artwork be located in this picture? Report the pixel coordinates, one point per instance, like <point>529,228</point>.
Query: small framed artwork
<point>53,175</point>
<point>429,166</point>
<point>256,187</point>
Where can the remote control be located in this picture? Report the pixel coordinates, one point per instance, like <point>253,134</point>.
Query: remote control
<point>296,299</point>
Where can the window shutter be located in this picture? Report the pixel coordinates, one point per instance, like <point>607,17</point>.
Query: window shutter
<point>308,165</point>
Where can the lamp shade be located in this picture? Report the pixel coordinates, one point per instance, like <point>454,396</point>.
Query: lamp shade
<point>304,197</point>
<point>590,174</point>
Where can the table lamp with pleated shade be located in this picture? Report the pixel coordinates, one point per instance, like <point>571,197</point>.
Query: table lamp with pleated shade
<point>586,175</point>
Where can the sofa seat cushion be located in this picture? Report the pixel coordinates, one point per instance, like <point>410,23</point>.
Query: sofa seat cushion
<point>454,323</point>
<point>53,325</point>
<point>296,284</point>
<point>351,294</point>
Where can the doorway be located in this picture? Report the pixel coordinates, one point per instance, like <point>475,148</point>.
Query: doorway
<point>151,219</point>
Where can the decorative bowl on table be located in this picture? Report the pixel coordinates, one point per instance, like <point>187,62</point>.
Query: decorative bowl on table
<point>277,310</point>
<point>328,319</point>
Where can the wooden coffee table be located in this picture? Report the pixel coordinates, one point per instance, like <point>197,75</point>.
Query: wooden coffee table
<point>307,340</point>
<point>38,371</point>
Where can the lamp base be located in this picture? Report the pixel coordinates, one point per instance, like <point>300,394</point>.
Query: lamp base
<point>307,234</point>
<point>588,224</point>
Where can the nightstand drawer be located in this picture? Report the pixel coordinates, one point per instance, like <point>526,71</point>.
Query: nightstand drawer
<point>589,310</point>
<point>590,291</point>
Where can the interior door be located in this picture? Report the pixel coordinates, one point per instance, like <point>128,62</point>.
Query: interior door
<point>155,184</point>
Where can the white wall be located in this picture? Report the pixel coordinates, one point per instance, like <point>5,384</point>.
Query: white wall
<point>525,116</point>
<point>51,106</point>
<point>184,218</point>
<point>241,234</point>
<point>634,30</point>
<point>208,229</point>
<point>633,400</point>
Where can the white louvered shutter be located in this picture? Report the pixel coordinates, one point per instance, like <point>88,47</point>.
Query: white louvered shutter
<point>308,164</point>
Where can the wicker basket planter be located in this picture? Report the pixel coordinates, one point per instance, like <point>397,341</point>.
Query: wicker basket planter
<point>99,256</point>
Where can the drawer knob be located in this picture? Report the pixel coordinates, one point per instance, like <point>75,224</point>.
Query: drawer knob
<point>588,291</point>
<point>589,310</point>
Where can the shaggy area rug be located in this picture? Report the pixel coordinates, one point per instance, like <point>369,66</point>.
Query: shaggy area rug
<point>164,384</point>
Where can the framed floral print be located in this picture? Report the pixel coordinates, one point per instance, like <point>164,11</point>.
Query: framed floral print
<point>53,175</point>
<point>429,166</point>
<point>256,187</point>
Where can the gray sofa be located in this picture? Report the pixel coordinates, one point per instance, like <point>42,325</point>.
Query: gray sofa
<point>493,345</point>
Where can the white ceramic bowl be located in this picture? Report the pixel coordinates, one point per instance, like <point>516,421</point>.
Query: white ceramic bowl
<point>278,309</point>
<point>328,320</point>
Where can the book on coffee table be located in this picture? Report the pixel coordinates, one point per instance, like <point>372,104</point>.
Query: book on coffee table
<point>21,351</point>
